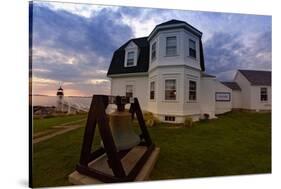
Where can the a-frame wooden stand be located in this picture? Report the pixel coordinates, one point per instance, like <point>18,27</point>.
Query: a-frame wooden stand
<point>97,116</point>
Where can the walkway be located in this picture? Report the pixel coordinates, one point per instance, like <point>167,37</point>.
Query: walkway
<point>60,129</point>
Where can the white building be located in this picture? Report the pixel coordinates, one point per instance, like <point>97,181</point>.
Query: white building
<point>166,72</point>
<point>254,91</point>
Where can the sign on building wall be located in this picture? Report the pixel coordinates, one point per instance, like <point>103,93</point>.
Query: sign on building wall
<point>223,96</point>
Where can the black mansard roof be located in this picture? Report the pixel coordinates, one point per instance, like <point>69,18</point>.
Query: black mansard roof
<point>257,77</point>
<point>117,63</point>
<point>173,22</point>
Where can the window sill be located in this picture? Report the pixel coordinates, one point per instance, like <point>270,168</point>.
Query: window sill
<point>171,55</point>
<point>170,101</point>
<point>130,66</point>
<point>192,101</point>
<point>194,58</point>
<point>169,121</point>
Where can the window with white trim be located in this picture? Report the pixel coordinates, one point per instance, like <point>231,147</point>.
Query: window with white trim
<point>171,46</point>
<point>192,91</point>
<point>170,89</point>
<point>263,94</point>
<point>153,51</point>
<point>130,58</point>
<point>129,91</point>
<point>152,90</point>
<point>192,48</point>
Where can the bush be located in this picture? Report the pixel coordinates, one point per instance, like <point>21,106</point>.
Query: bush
<point>188,122</point>
<point>149,123</point>
<point>147,115</point>
<point>150,119</point>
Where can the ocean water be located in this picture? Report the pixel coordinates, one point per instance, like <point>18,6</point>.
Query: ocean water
<point>52,100</point>
<point>79,102</point>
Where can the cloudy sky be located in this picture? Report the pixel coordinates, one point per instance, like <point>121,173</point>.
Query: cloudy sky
<point>73,43</point>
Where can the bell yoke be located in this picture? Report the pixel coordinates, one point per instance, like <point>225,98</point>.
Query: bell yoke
<point>118,139</point>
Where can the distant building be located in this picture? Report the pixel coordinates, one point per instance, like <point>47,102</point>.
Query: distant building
<point>166,71</point>
<point>60,100</point>
<point>252,90</point>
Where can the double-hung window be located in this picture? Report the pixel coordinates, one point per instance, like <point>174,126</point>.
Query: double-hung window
<point>192,48</point>
<point>170,89</point>
<point>171,46</point>
<point>192,91</point>
<point>263,94</point>
<point>152,90</point>
<point>130,58</point>
<point>153,51</point>
<point>129,91</point>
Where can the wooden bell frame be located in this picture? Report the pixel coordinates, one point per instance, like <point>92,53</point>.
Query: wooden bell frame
<point>97,116</point>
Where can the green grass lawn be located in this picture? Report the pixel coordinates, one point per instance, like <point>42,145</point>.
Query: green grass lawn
<point>47,123</point>
<point>236,143</point>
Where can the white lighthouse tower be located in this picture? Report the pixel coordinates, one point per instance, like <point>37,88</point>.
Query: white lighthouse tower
<point>60,100</point>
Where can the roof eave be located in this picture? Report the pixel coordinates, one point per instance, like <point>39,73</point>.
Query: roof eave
<point>254,84</point>
<point>174,26</point>
<point>127,74</point>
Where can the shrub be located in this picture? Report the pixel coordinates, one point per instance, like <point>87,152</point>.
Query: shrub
<point>147,115</point>
<point>150,119</point>
<point>188,122</point>
<point>156,120</point>
<point>149,123</point>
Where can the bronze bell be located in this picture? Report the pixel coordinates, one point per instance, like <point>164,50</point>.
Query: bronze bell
<point>124,137</point>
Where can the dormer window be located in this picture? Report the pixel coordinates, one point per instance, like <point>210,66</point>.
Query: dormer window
<point>131,58</point>
<point>153,51</point>
<point>192,48</point>
<point>171,46</point>
<point>131,55</point>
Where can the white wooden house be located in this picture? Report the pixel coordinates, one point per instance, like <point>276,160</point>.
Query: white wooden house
<point>254,92</point>
<point>166,71</point>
